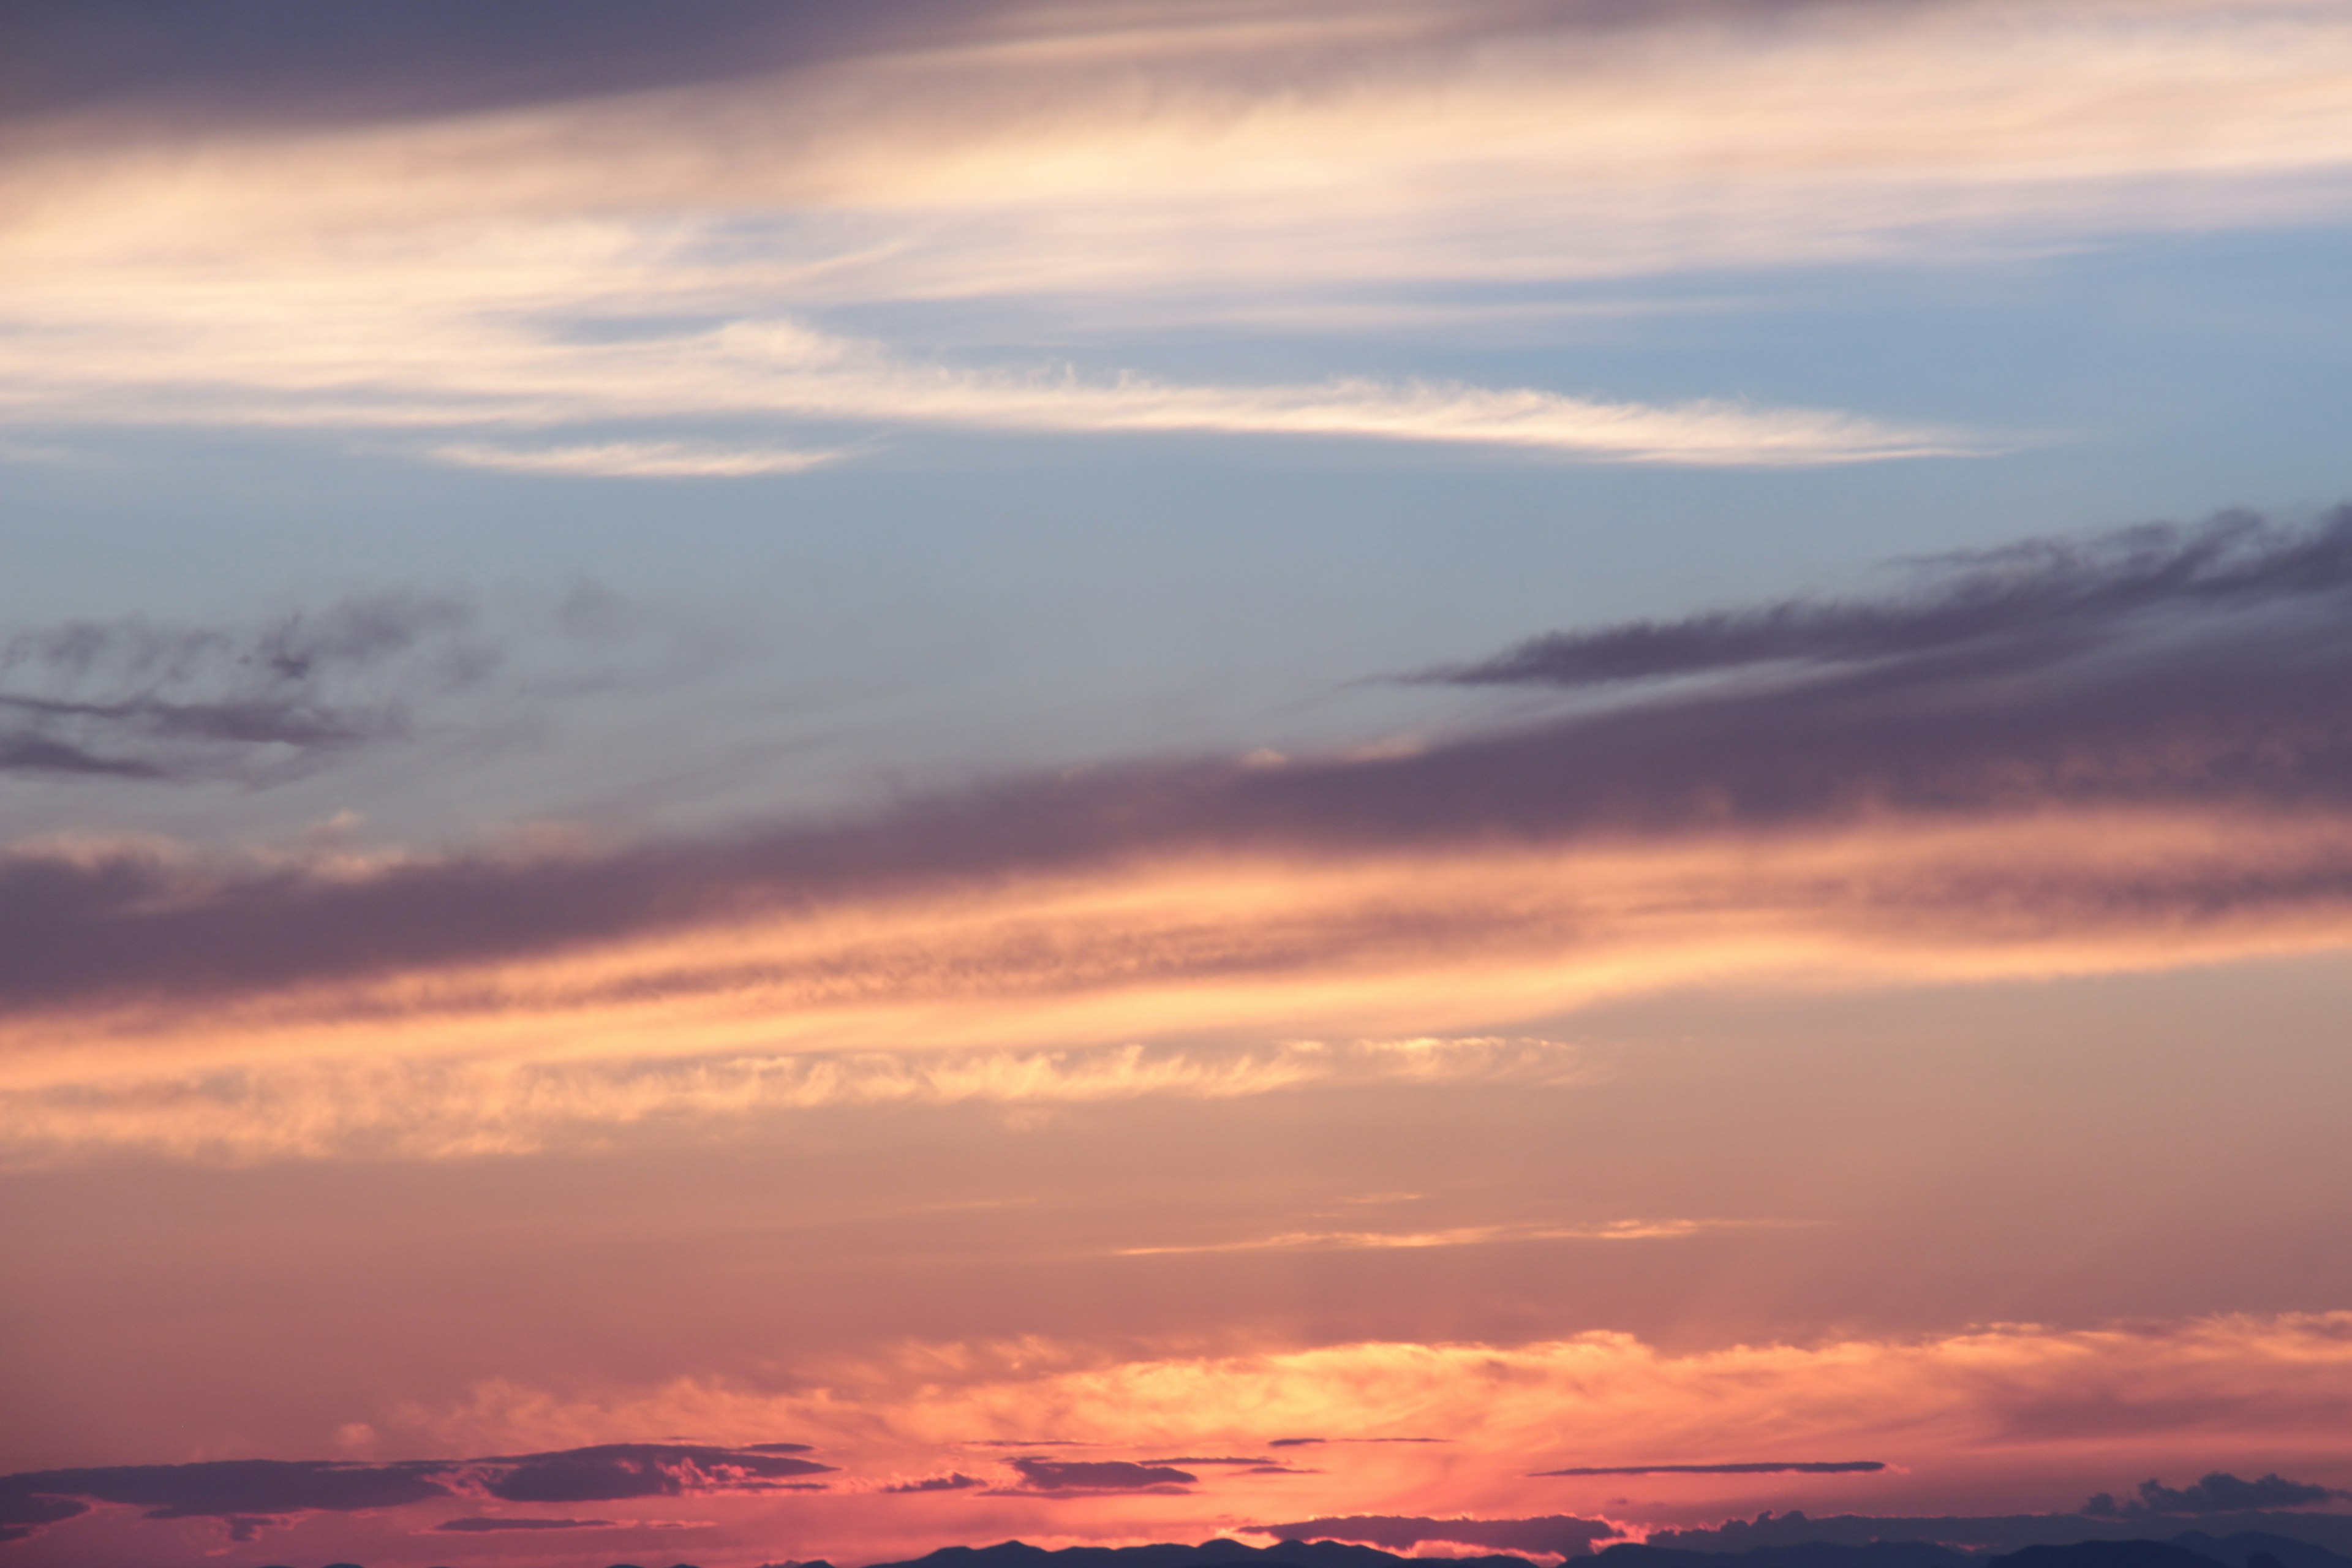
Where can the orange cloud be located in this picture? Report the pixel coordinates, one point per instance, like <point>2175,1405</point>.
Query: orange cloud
<point>2018,1416</point>
<point>967,991</point>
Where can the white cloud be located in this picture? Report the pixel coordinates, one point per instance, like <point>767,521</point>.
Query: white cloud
<point>636,460</point>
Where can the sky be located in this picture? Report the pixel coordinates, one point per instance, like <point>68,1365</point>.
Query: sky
<point>784,781</point>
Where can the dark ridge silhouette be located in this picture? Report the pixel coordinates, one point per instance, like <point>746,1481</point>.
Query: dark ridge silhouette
<point>2107,1555</point>
<point>2244,1549</point>
<point>2327,1534</point>
<point>1812,1554</point>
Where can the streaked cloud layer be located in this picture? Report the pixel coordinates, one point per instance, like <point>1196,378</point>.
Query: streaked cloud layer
<point>652,258</point>
<point>2059,761</point>
<point>783,781</point>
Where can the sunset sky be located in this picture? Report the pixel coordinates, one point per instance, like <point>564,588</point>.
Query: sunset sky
<point>789,780</point>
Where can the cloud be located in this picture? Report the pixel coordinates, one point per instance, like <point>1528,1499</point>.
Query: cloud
<point>777,367</point>
<point>1460,1236</point>
<point>2036,603</point>
<point>24,1512</point>
<point>1226,1460</point>
<point>1943,1407</point>
<point>283,62</point>
<point>2218,1492</point>
<point>224,1488</point>
<point>955,1481</point>
<point>1561,1534</point>
<point>636,460</point>
<point>2242,709</point>
<point>249,1494</point>
<point>613,1471</point>
<point>2163,771</point>
<point>1098,1476</point>
<point>479,1526</point>
<point>428,1110</point>
<point>1752,1468</point>
<point>144,699</point>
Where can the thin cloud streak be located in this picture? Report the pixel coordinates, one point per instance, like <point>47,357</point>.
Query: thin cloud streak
<point>1457,1236</point>
<point>392,1108</point>
<point>1741,1467</point>
<point>636,460</point>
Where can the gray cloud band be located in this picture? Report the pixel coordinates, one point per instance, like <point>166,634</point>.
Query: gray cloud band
<point>2200,699</point>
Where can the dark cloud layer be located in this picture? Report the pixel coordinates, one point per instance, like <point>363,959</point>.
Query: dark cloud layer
<point>1562,1533</point>
<point>1744,1467</point>
<point>1098,1476</point>
<point>2035,600</point>
<point>2246,709</point>
<point>2219,1492</point>
<point>250,1493</point>
<point>141,699</point>
<point>955,1481</point>
<point>293,61</point>
<point>637,1470</point>
<point>297,62</point>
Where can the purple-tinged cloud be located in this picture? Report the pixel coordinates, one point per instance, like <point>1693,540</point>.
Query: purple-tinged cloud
<point>1561,1534</point>
<point>613,1471</point>
<point>1742,1468</point>
<point>24,1513</point>
<point>1226,1460</point>
<point>2246,712</point>
<point>2218,1492</point>
<point>479,1526</point>
<point>1098,1476</point>
<point>955,1481</point>
<point>249,1494</point>
<point>137,699</point>
<point>2039,599</point>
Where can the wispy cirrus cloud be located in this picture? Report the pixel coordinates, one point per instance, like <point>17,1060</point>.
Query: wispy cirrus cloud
<point>473,1107</point>
<point>550,257</point>
<point>1733,1467</point>
<point>1455,1235</point>
<point>636,460</point>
